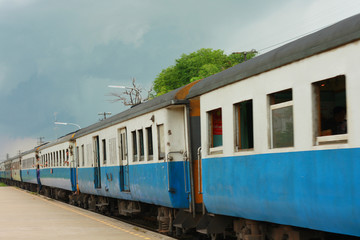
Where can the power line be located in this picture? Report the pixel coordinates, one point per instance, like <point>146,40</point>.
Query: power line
<point>294,38</point>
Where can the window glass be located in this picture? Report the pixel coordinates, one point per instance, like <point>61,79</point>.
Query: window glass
<point>112,150</point>
<point>104,150</point>
<point>149,143</point>
<point>215,122</point>
<point>82,155</point>
<point>330,95</point>
<point>141,144</point>
<point>244,125</point>
<point>281,119</point>
<point>123,144</point>
<point>161,141</point>
<point>134,143</point>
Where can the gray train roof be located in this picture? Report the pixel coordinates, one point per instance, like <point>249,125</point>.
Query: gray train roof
<point>174,97</point>
<point>341,33</point>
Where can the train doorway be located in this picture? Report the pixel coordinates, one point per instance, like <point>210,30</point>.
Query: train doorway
<point>97,176</point>
<point>124,161</point>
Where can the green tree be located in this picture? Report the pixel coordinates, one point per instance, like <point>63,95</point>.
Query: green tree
<point>197,65</point>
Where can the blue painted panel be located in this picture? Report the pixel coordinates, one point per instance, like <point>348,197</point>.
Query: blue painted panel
<point>148,183</point>
<point>8,174</point>
<point>29,176</point>
<point>313,189</point>
<point>59,178</point>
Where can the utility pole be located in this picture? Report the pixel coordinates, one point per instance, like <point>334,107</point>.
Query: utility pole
<point>104,114</point>
<point>40,140</point>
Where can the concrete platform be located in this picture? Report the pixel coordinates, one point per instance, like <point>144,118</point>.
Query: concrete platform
<point>25,215</point>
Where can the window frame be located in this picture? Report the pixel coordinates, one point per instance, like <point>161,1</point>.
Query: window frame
<point>237,126</point>
<point>320,139</point>
<point>212,149</point>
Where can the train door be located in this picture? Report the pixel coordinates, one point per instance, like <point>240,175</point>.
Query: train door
<point>195,137</point>
<point>71,158</point>
<point>124,161</point>
<point>75,169</point>
<point>97,176</point>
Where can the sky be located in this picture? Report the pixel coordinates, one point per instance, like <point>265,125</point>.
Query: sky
<point>57,58</point>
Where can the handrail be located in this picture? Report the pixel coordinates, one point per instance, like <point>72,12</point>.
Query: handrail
<point>199,171</point>
<point>185,159</point>
<point>169,158</point>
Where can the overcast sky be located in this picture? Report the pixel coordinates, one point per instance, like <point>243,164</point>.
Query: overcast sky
<point>58,57</point>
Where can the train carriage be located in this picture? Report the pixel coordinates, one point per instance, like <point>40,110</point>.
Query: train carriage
<point>15,169</point>
<point>283,146</point>
<point>141,154</point>
<point>28,167</point>
<point>57,164</point>
<point>2,170</point>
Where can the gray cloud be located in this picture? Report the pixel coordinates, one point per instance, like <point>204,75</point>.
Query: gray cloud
<point>59,56</point>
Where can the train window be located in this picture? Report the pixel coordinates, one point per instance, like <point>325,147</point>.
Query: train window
<point>63,157</point>
<point>330,111</point>
<point>112,151</point>
<point>161,141</point>
<point>141,144</point>
<point>281,119</point>
<point>77,157</point>
<point>215,130</point>
<point>57,158</point>
<point>82,155</point>
<point>244,132</point>
<point>89,154</point>
<point>122,144</point>
<point>60,157</point>
<point>104,150</point>
<point>134,143</point>
<point>149,143</point>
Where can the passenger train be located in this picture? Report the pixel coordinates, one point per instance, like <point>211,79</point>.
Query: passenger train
<point>268,149</point>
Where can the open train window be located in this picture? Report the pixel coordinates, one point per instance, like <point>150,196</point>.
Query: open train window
<point>215,130</point>
<point>330,111</point>
<point>281,119</point>
<point>149,143</point>
<point>104,150</point>
<point>244,132</point>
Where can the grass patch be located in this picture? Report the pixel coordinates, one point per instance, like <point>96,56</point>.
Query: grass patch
<point>2,184</point>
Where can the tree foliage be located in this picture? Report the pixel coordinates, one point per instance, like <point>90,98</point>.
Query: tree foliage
<point>197,65</point>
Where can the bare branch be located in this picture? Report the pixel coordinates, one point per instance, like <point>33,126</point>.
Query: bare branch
<point>131,95</point>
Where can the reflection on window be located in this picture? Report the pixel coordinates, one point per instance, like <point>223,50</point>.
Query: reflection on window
<point>161,141</point>
<point>244,125</point>
<point>281,119</point>
<point>215,123</point>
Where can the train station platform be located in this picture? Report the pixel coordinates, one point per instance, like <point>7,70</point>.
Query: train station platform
<point>25,215</point>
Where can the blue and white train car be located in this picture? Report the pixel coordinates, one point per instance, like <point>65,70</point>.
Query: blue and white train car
<point>8,173</point>
<point>2,170</point>
<point>283,146</point>
<point>57,164</point>
<point>28,167</point>
<point>140,154</point>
